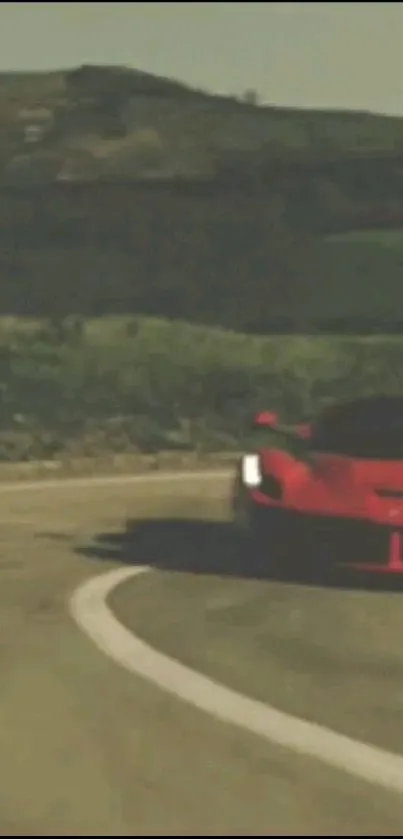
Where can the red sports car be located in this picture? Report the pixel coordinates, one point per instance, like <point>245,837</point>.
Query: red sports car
<point>331,492</point>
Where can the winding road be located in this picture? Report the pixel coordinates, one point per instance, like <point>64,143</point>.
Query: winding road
<point>90,747</point>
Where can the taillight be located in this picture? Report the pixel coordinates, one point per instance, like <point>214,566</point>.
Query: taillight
<point>254,478</point>
<point>251,470</point>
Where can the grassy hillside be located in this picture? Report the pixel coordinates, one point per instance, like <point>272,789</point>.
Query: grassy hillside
<point>392,238</point>
<point>122,384</point>
<point>100,121</point>
<point>124,192</point>
<point>216,258</point>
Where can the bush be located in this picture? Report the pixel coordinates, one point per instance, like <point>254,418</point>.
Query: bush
<point>164,384</point>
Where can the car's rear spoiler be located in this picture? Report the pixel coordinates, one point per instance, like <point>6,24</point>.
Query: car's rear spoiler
<point>269,419</point>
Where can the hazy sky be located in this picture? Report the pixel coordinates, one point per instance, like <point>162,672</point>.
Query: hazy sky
<point>320,54</point>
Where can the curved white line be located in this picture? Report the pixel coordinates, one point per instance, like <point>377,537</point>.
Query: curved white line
<point>89,609</point>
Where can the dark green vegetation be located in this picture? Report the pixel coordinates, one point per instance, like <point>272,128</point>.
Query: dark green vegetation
<point>115,121</point>
<point>118,384</point>
<point>121,192</point>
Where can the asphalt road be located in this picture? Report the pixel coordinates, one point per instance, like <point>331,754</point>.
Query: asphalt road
<point>89,749</point>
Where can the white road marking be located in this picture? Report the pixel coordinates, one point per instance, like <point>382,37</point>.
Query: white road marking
<point>112,480</point>
<point>90,611</point>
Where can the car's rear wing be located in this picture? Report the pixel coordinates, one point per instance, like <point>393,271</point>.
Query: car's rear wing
<point>270,420</point>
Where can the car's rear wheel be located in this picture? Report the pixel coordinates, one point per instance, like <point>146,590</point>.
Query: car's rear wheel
<point>278,543</point>
<point>261,537</point>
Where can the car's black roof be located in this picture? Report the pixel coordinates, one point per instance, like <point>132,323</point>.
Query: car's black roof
<point>378,410</point>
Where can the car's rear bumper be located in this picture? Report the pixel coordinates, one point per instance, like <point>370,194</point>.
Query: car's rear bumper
<point>338,541</point>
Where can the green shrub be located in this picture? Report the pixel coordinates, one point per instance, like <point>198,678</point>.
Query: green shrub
<point>171,385</point>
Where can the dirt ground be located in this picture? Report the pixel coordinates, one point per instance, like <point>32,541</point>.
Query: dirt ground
<point>114,464</point>
<point>88,749</point>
